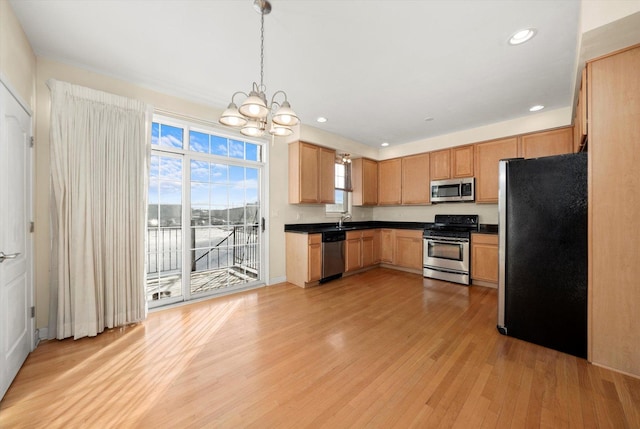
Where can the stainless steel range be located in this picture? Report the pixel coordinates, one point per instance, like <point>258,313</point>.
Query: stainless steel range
<point>446,248</point>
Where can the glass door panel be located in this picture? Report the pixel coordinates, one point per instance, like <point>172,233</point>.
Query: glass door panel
<point>224,225</point>
<point>164,230</point>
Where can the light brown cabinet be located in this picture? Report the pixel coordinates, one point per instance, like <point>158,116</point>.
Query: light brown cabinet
<point>303,258</point>
<point>408,248</point>
<point>369,252</point>
<point>462,161</point>
<point>614,203</point>
<point>311,174</point>
<point>377,246</point>
<point>484,258</point>
<point>415,179</point>
<point>387,242</point>
<point>452,163</point>
<point>361,249</point>
<point>353,251</point>
<point>487,155</point>
<point>441,164</point>
<point>390,182</point>
<point>546,143</point>
<point>364,179</point>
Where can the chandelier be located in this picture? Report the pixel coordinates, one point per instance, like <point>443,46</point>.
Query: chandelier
<point>252,117</point>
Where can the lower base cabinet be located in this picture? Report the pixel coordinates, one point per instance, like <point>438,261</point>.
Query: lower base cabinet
<point>303,258</point>
<point>363,249</point>
<point>484,258</point>
<point>353,251</point>
<point>408,248</point>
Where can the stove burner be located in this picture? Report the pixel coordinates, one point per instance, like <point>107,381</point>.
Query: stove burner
<point>460,226</point>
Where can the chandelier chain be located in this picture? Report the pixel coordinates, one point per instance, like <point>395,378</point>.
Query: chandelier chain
<point>262,88</point>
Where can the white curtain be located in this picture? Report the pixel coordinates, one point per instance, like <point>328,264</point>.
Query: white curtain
<point>99,158</point>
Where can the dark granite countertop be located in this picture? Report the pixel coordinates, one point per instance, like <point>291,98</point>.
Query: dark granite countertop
<point>311,228</point>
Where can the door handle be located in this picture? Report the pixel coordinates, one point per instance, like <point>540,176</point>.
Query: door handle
<point>11,256</point>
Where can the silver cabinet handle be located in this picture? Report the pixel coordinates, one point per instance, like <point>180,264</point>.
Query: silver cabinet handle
<point>11,256</point>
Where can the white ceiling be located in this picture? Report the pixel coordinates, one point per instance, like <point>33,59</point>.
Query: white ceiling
<point>376,69</point>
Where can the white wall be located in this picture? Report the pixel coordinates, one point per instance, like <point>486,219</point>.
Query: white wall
<point>596,13</point>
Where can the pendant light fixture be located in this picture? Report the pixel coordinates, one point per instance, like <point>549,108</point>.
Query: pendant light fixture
<point>252,117</point>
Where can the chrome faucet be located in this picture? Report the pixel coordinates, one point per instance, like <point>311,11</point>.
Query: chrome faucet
<point>344,217</point>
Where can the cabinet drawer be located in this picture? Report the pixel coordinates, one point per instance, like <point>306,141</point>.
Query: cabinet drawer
<point>354,235</point>
<point>315,238</point>
<point>484,239</point>
<point>368,233</point>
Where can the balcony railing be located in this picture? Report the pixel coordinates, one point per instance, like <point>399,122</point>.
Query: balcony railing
<point>236,253</point>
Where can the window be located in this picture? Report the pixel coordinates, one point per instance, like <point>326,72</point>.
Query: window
<point>342,190</point>
<point>204,214</point>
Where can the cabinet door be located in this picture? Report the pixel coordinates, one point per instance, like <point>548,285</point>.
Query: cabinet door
<point>462,161</point>
<point>368,249</point>
<point>487,156</point>
<point>327,177</point>
<point>441,164</point>
<point>308,166</point>
<point>547,143</point>
<point>408,249</point>
<point>386,245</point>
<point>314,268</point>
<point>377,246</point>
<point>415,179</point>
<point>370,180</point>
<point>353,251</point>
<point>389,181</point>
<point>484,257</point>
<point>364,179</point>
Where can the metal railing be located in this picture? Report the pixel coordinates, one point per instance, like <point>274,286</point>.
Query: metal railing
<point>239,248</point>
<point>164,249</point>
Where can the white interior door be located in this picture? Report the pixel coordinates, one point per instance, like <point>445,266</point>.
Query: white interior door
<point>16,333</point>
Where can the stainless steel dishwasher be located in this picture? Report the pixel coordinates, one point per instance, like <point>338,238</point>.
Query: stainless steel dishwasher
<point>332,255</point>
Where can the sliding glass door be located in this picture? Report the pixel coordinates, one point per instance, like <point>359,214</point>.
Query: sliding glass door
<point>205,213</point>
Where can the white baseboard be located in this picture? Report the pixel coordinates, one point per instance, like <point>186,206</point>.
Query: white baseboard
<point>276,280</point>
<point>43,334</point>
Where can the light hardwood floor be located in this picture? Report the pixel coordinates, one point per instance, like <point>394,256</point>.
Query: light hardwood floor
<point>378,349</point>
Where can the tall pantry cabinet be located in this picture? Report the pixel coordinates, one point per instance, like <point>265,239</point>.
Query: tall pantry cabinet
<point>613,112</point>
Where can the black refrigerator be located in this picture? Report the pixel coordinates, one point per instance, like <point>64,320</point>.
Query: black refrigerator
<point>542,287</point>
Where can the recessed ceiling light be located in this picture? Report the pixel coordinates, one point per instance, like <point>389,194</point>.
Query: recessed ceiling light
<point>322,119</point>
<point>536,108</point>
<point>428,119</point>
<point>385,144</point>
<point>522,36</point>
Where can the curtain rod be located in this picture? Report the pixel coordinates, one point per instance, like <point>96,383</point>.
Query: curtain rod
<point>182,116</point>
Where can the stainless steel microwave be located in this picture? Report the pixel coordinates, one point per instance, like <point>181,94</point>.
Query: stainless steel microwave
<point>452,190</point>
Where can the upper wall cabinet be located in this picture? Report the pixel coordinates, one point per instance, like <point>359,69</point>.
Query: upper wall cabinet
<point>390,182</point>
<point>364,179</point>
<point>311,174</point>
<point>452,163</point>
<point>415,179</point>
<point>487,157</point>
<point>546,143</point>
<point>441,164</point>
<point>462,164</point>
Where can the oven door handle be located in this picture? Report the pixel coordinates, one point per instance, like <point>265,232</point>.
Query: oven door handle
<point>447,240</point>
